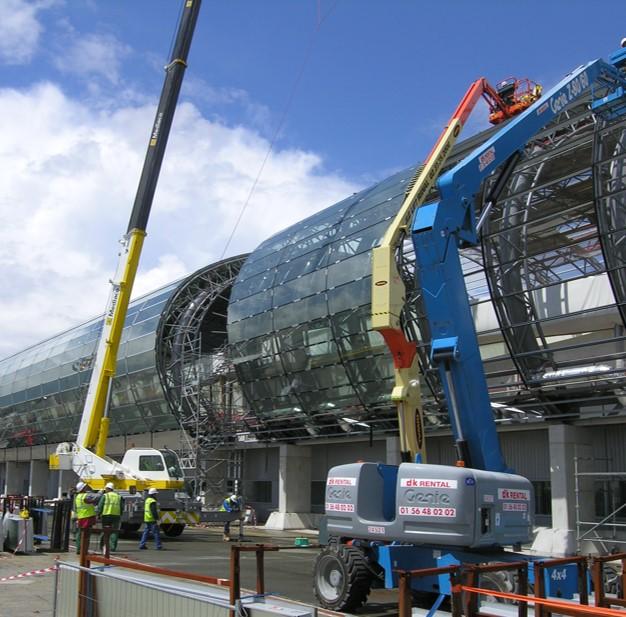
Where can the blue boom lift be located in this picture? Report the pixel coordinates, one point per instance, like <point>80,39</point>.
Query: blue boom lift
<point>381,518</point>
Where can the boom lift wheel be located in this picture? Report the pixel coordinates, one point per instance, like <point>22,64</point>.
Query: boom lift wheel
<point>498,581</point>
<point>341,578</point>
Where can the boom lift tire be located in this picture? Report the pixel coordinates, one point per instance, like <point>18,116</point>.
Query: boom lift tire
<point>341,578</point>
<point>172,530</point>
<point>498,581</point>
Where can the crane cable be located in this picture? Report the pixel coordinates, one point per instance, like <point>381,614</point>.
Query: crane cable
<point>321,18</point>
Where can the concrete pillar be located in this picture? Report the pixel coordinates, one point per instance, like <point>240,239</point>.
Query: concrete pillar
<point>392,447</point>
<point>13,479</point>
<point>566,444</point>
<point>294,489</point>
<point>38,478</point>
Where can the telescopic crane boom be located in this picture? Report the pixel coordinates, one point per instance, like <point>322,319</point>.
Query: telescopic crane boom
<point>141,467</point>
<point>388,288</point>
<point>441,228</point>
<point>94,423</point>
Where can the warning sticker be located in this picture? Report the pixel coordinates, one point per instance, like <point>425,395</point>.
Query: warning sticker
<point>375,529</point>
<point>339,507</point>
<point>427,483</point>
<point>427,511</point>
<point>341,482</point>
<point>513,494</point>
<point>514,507</point>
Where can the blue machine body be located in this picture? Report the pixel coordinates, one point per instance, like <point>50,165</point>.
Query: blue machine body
<point>441,228</point>
<point>560,581</point>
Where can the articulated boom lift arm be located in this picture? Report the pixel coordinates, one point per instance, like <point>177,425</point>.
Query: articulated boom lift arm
<point>94,423</point>
<point>388,290</point>
<point>441,228</point>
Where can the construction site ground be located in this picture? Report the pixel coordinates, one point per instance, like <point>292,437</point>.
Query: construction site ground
<point>200,550</point>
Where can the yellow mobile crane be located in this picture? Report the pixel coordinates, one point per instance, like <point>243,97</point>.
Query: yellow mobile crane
<point>141,468</point>
<point>388,289</point>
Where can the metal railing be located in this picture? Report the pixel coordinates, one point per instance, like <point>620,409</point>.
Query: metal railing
<point>465,595</point>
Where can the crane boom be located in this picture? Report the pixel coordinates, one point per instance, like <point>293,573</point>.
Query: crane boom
<point>388,289</point>
<point>93,430</point>
<point>442,227</point>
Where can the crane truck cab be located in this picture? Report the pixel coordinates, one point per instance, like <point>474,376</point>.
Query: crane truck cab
<point>161,468</point>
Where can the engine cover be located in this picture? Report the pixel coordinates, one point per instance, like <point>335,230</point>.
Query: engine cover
<point>429,504</point>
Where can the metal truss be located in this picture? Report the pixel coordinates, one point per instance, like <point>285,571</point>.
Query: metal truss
<point>609,156</point>
<point>192,361</point>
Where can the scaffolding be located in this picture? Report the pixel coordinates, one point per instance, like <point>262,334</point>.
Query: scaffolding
<point>199,381</point>
<point>610,530</point>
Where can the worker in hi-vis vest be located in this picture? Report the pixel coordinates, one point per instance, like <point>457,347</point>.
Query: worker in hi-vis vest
<point>231,504</point>
<point>84,510</point>
<point>151,520</point>
<point>110,511</point>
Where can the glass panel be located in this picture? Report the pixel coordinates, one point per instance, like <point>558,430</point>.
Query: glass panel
<point>151,462</point>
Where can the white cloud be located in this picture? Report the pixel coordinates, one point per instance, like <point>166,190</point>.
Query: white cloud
<point>20,29</point>
<point>93,55</point>
<point>68,176</point>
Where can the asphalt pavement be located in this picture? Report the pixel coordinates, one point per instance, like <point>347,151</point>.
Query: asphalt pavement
<point>288,573</point>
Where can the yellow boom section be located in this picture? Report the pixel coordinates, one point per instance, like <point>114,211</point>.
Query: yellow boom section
<point>389,292</point>
<point>94,426</point>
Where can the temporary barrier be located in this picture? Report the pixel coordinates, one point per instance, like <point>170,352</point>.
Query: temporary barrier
<point>129,587</point>
<point>465,596</point>
<point>15,577</point>
<point>597,569</point>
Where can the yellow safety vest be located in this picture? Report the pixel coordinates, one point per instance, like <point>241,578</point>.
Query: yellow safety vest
<point>147,512</point>
<point>112,504</point>
<point>82,509</point>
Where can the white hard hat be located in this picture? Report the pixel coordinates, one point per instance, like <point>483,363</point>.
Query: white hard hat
<point>152,491</point>
<point>80,486</point>
<point>234,497</point>
<point>623,42</point>
<point>109,485</point>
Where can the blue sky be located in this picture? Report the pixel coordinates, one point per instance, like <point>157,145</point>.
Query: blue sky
<point>358,89</point>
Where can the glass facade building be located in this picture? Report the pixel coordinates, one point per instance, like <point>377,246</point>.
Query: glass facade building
<point>42,389</point>
<point>292,320</point>
<point>546,286</point>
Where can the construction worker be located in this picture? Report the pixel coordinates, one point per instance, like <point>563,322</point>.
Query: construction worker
<point>230,504</point>
<point>151,520</point>
<point>84,510</point>
<point>110,509</point>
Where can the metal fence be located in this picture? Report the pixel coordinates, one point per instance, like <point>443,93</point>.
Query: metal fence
<point>110,592</point>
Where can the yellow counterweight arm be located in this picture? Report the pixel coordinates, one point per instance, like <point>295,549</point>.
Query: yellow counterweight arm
<point>389,292</point>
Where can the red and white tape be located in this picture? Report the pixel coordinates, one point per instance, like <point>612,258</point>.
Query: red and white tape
<point>26,574</point>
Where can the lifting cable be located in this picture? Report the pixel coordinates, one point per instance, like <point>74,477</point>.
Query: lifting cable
<point>321,18</point>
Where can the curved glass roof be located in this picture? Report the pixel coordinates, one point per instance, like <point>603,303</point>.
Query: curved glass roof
<point>166,334</point>
<point>42,389</point>
<point>299,319</point>
<point>547,308</point>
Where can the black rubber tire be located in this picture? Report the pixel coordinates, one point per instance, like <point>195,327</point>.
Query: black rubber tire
<point>498,581</point>
<point>612,579</point>
<point>341,578</point>
<point>172,530</point>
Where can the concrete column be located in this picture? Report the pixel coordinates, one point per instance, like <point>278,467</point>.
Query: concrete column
<point>392,447</point>
<point>566,444</point>
<point>13,479</point>
<point>38,478</point>
<point>294,489</point>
